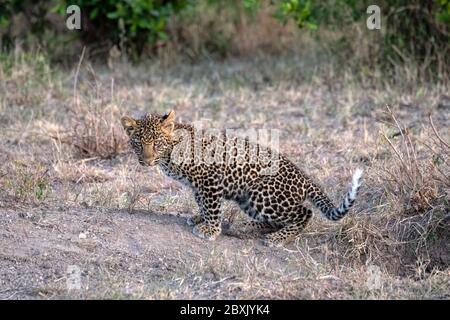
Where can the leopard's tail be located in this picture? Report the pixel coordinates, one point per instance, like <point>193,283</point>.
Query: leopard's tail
<point>322,202</point>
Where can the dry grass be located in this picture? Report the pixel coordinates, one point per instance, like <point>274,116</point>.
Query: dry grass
<point>409,221</point>
<point>25,181</point>
<point>394,244</point>
<point>95,132</point>
<point>415,181</point>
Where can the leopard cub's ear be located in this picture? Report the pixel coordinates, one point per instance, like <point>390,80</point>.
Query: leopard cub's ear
<point>167,124</point>
<point>129,124</point>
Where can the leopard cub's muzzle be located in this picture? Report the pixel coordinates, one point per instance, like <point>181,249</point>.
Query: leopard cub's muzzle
<point>149,156</point>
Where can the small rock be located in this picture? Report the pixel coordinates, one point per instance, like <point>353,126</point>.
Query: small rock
<point>82,236</point>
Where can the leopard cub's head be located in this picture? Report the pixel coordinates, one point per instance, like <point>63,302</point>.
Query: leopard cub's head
<point>150,136</point>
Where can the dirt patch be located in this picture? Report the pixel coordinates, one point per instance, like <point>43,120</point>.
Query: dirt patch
<point>107,245</point>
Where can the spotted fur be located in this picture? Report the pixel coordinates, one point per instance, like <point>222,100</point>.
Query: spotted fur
<point>266,185</point>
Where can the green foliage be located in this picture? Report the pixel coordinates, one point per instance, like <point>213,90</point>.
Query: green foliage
<point>412,31</point>
<point>129,24</point>
<point>443,11</point>
<point>416,32</point>
<point>34,13</point>
<point>301,11</point>
<point>310,14</point>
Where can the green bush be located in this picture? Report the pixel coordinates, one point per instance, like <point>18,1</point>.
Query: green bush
<point>413,31</point>
<point>131,25</point>
<point>34,13</point>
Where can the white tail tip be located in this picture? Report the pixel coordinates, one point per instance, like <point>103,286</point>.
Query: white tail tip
<point>356,182</point>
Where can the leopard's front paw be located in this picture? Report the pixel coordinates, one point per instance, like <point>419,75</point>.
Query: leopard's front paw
<point>207,232</point>
<point>194,220</point>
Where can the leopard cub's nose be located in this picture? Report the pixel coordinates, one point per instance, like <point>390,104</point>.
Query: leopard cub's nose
<point>147,160</point>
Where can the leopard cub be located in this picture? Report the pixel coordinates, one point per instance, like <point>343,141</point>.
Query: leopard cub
<point>217,166</point>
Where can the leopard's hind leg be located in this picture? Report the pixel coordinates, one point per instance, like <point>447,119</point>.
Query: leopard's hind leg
<point>255,226</point>
<point>260,226</point>
<point>290,231</point>
<point>249,229</point>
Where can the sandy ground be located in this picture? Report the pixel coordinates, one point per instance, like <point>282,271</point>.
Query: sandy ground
<point>141,252</point>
